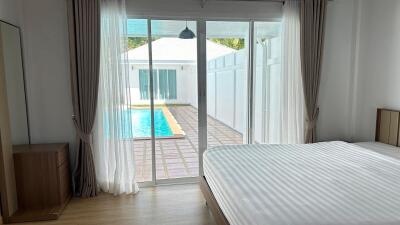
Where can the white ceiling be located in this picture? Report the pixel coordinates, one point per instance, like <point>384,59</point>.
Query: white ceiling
<point>191,9</point>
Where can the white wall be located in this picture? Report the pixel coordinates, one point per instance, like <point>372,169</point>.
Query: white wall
<point>191,92</point>
<point>45,42</point>
<point>337,71</point>
<point>361,69</point>
<point>10,11</point>
<point>46,59</point>
<point>379,67</point>
<point>226,82</point>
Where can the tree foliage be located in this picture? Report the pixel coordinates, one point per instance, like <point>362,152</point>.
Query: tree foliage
<point>235,43</point>
<point>134,42</point>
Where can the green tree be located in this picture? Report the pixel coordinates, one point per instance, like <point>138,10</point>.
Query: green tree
<point>235,43</point>
<point>134,42</point>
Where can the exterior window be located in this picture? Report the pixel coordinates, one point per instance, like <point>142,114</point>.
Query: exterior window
<point>172,84</point>
<point>164,84</point>
<point>144,84</point>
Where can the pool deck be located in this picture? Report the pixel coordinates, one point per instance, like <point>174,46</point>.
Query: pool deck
<point>177,158</point>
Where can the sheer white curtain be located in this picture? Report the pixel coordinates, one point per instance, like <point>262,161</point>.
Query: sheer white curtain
<point>113,151</point>
<point>293,113</point>
<point>289,107</point>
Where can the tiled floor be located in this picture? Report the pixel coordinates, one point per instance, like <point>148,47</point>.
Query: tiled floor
<point>177,158</point>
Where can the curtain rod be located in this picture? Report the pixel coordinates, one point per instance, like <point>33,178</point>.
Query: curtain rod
<point>203,2</point>
<point>282,1</point>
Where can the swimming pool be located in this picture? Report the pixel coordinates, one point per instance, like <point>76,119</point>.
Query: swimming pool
<point>141,122</point>
<point>136,124</point>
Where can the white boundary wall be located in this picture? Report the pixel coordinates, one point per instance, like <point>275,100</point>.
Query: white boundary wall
<point>226,89</point>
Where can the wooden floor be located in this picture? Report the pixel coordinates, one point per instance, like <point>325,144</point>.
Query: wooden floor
<point>166,205</point>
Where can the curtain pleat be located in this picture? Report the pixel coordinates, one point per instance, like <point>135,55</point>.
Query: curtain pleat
<point>312,22</point>
<point>292,107</point>
<point>84,28</point>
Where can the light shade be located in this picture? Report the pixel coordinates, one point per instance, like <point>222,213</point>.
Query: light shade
<point>187,34</point>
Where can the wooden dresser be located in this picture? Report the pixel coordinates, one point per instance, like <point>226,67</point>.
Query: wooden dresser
<point>43,181</point>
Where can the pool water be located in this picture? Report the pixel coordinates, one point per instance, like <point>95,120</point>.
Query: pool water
<point>136,123</point>
<point>141,123</point>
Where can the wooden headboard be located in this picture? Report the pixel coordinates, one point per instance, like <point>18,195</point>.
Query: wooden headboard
<point>387,127</point>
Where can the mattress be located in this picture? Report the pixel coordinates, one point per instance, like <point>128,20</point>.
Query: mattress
<point>322,183</point>
<point>382,148</point>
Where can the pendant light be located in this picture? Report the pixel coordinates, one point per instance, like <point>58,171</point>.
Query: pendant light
<point>186,33</point>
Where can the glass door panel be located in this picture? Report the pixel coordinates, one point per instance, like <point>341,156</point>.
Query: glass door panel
<point>175,91</point>
<point>140,97</point>
<point>227,75</point>
<point>267,90</point>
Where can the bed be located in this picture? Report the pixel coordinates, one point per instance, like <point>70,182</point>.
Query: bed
<point>322,183</point>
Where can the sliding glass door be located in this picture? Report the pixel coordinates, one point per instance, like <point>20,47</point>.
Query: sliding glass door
<point>138,44</point>
<point>164,93</point>
<point>268,91</point>
<point>174,62</point>
<point>199,84</point>
<point>227,80</point>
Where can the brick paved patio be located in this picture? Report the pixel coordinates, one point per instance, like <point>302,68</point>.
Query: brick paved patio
<point>176,158</point>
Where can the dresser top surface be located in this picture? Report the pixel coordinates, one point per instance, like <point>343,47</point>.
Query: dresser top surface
<point>39,148</point>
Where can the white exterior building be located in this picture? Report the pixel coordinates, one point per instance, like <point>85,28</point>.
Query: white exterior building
<point>175,70</point>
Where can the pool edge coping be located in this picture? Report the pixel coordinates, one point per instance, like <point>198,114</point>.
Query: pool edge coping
<point>176,129</point>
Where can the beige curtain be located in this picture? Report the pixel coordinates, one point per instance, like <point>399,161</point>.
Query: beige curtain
<point>312,29</point>
<point>84,35</point>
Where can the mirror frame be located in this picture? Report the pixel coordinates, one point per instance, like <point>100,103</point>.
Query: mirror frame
<point>23,77</point>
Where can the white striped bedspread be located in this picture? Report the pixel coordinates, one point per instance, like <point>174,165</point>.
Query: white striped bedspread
<point>323,183</point>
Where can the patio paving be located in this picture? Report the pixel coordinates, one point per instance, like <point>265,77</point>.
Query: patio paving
<point>176,158</point>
